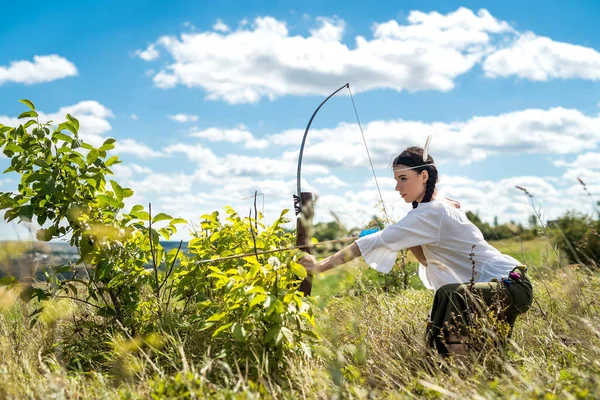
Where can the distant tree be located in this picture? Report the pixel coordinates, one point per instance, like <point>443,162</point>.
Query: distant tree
<point>578,236</point>
<point>533,222</point>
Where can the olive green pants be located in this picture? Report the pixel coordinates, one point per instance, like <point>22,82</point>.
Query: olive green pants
<point>455,305</point>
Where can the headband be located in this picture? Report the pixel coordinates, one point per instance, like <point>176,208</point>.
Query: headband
<point>425,156</point>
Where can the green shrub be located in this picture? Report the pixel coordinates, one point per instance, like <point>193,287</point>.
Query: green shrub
<point>578,237</point>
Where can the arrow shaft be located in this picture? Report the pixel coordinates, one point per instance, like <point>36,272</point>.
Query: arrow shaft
<point>276,250</point>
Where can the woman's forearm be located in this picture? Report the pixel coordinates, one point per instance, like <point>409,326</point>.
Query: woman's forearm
<point>341,257</point>
<point>419,255</point>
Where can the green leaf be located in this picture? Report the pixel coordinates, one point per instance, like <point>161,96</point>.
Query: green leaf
<point>28,103</point>
<point>41,219</point>
<point>274,335</point>
<point>137,208</point>
<point>44,235</point>
<point>112,160</point>
<point>68,126</point>
<point>258,299</point>
<point>288,334</point>
<point>106,147</point>
<point>13,147</point>
<point>73,121</point>
<point>117,189</point>
<point>221,329</point>
<point>92,156</point>
<point>104,200</point>
<point>142,215</point>
<point>127,193</point>
<point>256,289</point>
<point>8,280</point>
<point>161,217</point>
<point>40,162</point>
<point>102,270</point>
<point>178,221</point>
<point>62,136</point>
<point>298,270</point>
<point>216,317</point>
<point>106,312</point>
<point>239,333</point>
<point>26,213</point>
<point>63,268</point>
<point>165,233</point>
<point>76,158</point>
<point>28,114</point>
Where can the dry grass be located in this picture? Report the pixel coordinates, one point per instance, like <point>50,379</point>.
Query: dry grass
<point>372,347</point>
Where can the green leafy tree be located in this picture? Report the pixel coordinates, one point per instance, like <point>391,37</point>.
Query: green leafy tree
<point>64,188</point>
<point>249,305</point>
<point>578,236</point>
<point>250,300</point>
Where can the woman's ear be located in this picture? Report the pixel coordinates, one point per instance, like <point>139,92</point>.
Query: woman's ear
<point>424,176</point>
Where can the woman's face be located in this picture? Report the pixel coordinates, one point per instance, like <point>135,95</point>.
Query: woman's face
<point>410,183</point>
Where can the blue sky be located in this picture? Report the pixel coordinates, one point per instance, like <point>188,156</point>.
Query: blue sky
<point>509,90</point>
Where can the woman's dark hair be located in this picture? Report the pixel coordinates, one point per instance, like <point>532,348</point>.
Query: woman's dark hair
<point>412,157</point>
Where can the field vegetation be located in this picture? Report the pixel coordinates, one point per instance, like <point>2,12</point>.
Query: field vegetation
<point>131,320</point>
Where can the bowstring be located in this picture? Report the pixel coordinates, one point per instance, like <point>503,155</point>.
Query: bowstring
<point>369,156</point>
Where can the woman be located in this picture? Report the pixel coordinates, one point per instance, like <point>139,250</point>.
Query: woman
<point>455,259</point>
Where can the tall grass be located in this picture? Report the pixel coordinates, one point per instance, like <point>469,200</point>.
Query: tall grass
<point>372,347</point>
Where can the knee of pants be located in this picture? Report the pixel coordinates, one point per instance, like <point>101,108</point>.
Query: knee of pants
<point>451,290</point>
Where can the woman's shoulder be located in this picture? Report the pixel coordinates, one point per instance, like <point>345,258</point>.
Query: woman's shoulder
<point>440,203</point>
<point>451,202</point>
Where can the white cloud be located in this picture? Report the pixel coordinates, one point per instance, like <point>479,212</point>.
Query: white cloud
<point>585,160</point>
<point>140,150</point>
<point>502,199</point>
<point>92,116</point>
<point>183,118</point>
<point>213,169</point>
<point>427,52</point>
<point>42,69</point>
<point>163,183</point>
<point>265,60</point>
<point>355,205</point>
<point>331,182</point>
<point>126,171</point>
<point>220,26</point>
<point>540,59</point>
<point>488,198</point>
<point>5,181</point>
<point>329,30</point>
<point>553,131</point>
<point>134,117</point>
<point>94,125</point>
<point>237,135</point>
<point>189,25</point>
<point>149,54</point>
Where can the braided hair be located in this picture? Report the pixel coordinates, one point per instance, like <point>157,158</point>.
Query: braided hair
<point>412,157</point>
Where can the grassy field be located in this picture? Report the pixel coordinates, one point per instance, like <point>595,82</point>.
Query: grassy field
<point>371,347</point>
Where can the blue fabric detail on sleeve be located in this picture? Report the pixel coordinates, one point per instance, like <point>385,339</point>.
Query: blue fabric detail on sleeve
<point>366,232</point>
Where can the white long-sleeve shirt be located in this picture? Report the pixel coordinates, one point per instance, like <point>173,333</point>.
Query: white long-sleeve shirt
<point>447,237</point>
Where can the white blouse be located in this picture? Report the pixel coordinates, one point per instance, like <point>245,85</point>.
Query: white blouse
<point>447,237</point>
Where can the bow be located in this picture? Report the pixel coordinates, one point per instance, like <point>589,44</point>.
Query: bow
<point>298,197</point>
<point>303,204</point>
